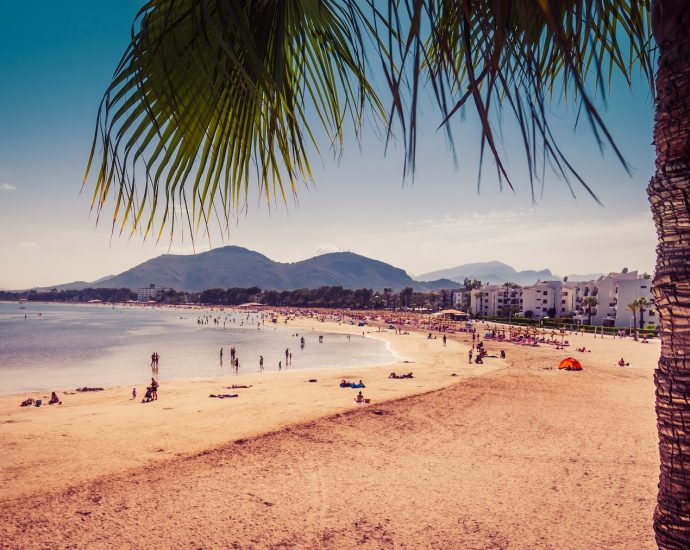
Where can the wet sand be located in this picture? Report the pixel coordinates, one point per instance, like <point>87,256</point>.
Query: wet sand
<point>511,454</point>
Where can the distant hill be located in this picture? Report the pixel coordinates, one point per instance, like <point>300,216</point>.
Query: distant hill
<point>233,266</point>
<point>498,273</point>
<point>489,272</point>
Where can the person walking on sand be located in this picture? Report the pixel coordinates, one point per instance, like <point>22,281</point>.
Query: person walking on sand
<point>261,363</point>
<point>134,392</point>
<point>280,366</point>
<point>469,357</point>
<point>237,366</point>
<point>444,340</point>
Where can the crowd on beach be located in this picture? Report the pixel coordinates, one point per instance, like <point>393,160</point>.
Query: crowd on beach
<point>401,322</point>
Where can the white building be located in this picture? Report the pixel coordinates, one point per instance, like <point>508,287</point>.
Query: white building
<point>565,300</point>
<point>151,293</point>
<point>540,300</point>
<point>614,292</point>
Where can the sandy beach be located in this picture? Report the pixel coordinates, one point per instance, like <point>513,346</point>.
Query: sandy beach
<point>509,454</point>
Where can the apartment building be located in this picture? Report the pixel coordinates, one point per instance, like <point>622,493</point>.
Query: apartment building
<point>613,293</point>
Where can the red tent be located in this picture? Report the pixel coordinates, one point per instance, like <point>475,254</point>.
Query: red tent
<point>570,363</point>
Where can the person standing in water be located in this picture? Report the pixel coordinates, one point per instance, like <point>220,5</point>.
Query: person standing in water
<point>261,363</point>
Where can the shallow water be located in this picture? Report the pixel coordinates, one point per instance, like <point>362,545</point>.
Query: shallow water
<point>60,346</point>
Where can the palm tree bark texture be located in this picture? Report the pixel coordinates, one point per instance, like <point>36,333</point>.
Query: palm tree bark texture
<point>669,196</point>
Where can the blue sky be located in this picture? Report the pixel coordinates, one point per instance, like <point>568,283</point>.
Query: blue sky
<point>56,60</point>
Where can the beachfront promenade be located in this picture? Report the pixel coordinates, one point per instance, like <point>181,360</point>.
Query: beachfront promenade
<point>509,453</point>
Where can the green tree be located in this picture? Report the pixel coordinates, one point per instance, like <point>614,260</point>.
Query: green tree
<point>207,91</point>
<point>589,302</point>
<point>634,306</point>
<point>643,303</point>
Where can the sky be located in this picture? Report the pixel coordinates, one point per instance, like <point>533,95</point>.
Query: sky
<point>56,59</point>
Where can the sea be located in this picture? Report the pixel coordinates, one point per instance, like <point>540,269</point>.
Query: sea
<point>46,346</point>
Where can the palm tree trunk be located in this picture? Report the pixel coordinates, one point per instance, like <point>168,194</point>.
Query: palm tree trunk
<point>669,196</point>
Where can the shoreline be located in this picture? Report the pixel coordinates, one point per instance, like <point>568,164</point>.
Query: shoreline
<point>101,367</point>
<point>268,403</point>
<point>511,453</point>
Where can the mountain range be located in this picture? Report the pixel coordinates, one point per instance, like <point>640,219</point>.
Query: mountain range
<point>499,273</point>
<point>233,266</point>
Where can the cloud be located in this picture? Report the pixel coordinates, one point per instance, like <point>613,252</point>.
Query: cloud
<point>7,187</point>
<point>527,239</point>
<point>29,244</point>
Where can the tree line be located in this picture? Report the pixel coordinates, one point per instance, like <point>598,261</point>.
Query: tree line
<point>324,296</point>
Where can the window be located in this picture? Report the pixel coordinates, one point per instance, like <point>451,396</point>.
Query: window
<point>563,301</point>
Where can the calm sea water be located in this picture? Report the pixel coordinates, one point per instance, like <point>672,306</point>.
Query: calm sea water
<point>57,346</point>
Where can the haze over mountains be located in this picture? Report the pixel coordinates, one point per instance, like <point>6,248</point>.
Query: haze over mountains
<point>233,266</point>
<point>498,273</point>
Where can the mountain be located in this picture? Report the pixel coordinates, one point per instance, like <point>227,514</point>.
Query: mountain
<point>233,266</point>
<point>490,272</point>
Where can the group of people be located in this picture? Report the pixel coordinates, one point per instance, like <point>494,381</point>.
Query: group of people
<point>54,400</point>
<point>151,392</point>
<point>346,384</point>
<point>154,360</point>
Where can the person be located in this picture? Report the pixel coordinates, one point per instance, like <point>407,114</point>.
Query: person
<point>27,402</point>
<point>359,398</point>
<point>134,392</point>
<point>54,399</point>
<point>280,365</point>
<point>469,356</point>
<point>621,363</point>
<point>444,339</point>
<point>237,365</point>
<point>503,354</point>
<point>221,355</point>
<point>148,396</point>
<point>154,389</point>
<point>261,363</point>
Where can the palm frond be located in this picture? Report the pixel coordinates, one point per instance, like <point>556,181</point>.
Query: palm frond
<point>214,94</point>
<point>514,56</point>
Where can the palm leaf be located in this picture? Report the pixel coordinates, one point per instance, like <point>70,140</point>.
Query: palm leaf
<point>513,56</point>
<point>212,95</point>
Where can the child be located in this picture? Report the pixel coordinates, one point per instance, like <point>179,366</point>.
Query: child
<point>134,392</point>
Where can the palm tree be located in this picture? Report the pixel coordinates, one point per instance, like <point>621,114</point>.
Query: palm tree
<point>634,306</point>
<point>589,302</point>
<point>387,293</point>
<point>643,303</point>
<point>211,97</point>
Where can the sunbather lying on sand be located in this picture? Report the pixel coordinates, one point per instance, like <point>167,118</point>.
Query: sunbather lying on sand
<point>237,387</point>
<point>398,376</point>
<point>27,402</point>
<point>224,395</point>
<point>348,384</point>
